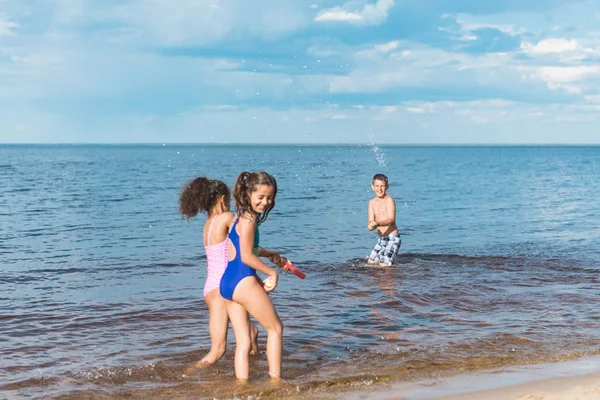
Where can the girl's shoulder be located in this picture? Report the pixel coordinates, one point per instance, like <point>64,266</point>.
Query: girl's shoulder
<point>248,218</point>
<point>226,217</point>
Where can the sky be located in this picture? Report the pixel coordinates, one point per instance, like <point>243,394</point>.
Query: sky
<point>290,71</point>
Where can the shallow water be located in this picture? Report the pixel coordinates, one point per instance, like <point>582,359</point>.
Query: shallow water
<point>101,280</point>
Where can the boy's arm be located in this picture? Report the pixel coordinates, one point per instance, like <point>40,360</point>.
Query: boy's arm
<point>371,217</point>
<point>391,209</point>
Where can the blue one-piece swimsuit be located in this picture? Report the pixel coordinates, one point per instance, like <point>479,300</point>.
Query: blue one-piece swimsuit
<point>236,270</point>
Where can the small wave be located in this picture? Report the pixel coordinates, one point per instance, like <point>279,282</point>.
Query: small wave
<point>115,200</point>
<point>302,198</point>
<point>20,190</point>
<point>71,270</point>
<point>159,372</point>
<point>43,381</point>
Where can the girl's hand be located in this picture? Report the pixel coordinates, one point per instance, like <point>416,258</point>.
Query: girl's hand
<point>276,259</point>
<point>280,261</point>
<point>270,283</point>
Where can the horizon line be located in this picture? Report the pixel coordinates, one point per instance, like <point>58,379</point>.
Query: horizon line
<point>164,144</point>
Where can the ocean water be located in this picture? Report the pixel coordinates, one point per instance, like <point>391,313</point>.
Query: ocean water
<point>101,280</point>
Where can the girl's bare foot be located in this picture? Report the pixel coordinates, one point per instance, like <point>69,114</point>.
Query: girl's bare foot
<point>254,339</point>
<point>199,365</point>
<point>274,379</point>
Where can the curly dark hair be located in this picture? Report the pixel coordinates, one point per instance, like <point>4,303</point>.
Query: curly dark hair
<point>200,195</point>
<point>245,185</point>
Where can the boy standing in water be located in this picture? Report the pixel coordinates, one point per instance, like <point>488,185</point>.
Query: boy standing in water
<point>382,216</point>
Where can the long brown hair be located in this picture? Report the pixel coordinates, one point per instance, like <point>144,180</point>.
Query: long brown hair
<point>245,185</point>
<point>201,195</point>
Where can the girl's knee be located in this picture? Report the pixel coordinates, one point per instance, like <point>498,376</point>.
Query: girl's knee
<point>277,328</point>
<point>243,346</point>
<point>243,342</point>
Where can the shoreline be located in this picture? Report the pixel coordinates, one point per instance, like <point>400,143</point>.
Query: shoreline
<point>569,380</point>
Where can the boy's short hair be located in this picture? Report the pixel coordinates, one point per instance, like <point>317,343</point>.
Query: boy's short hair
<point>382,178</point>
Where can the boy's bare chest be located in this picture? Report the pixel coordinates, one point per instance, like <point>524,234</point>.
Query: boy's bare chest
<point>380,207</point>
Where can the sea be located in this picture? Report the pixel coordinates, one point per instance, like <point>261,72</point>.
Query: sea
<point>101,279</point>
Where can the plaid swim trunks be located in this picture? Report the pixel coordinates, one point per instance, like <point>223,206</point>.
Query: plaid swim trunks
<point>386,249</point>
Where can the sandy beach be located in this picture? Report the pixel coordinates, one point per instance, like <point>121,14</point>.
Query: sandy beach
<point>586,387</point>
<point>570,380</point>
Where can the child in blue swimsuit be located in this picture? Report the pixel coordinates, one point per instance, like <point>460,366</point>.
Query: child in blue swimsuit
<point>254,195</point>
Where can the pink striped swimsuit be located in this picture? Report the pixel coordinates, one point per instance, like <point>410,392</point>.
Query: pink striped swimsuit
<point>217,257</point>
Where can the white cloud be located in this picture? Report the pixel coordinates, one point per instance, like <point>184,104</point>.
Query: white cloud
<point>593,98</point>
<point>567,74</point>
<point>387,47</point>
<point>478,119</point>
<point>425,67</point>
<point>223,107</point>
<point>369,15</point>
<point>570,78</point>
<point>373,50</point>
<point>72,11</point>
<point>467,30</point>
<point>421,107</point>
<point>508,29</point>
<point>339,117</point>
<point>388,109</point>
<point>513,123</point>
<point>19,60</point>
<point>200,22</point>
<point>6,26</point>
<point>52,70</point>
<point>551,45</point>
<point>568,50</point>
<point>150,23</point>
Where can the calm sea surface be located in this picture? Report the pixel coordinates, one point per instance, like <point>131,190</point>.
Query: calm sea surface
<point>101,280</point>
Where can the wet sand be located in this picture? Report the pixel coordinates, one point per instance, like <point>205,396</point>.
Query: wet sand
<point>586,387</point>
<point>571,380</point>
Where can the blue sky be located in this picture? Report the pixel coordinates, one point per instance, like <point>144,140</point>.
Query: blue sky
<point>273,71</point>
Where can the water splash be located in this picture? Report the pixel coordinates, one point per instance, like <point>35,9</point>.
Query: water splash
<point>378,151</point>
<point>379,155</point>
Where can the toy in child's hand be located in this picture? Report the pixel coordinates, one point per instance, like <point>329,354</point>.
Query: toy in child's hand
<point>373,225</point>
<point>268,283</point>
<point>290,267</point>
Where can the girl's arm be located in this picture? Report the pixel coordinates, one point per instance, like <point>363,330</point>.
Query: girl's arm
<point>228,217</point>
<point>247,227</point>
<point>272,255</point>
<point>262,252</point>
<point>224,222</point>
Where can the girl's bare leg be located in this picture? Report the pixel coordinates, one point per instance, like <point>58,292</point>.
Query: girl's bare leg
<point>253,338</point>
<point>250,294</point>
<point>241,327</point>
<point>217,325</point>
